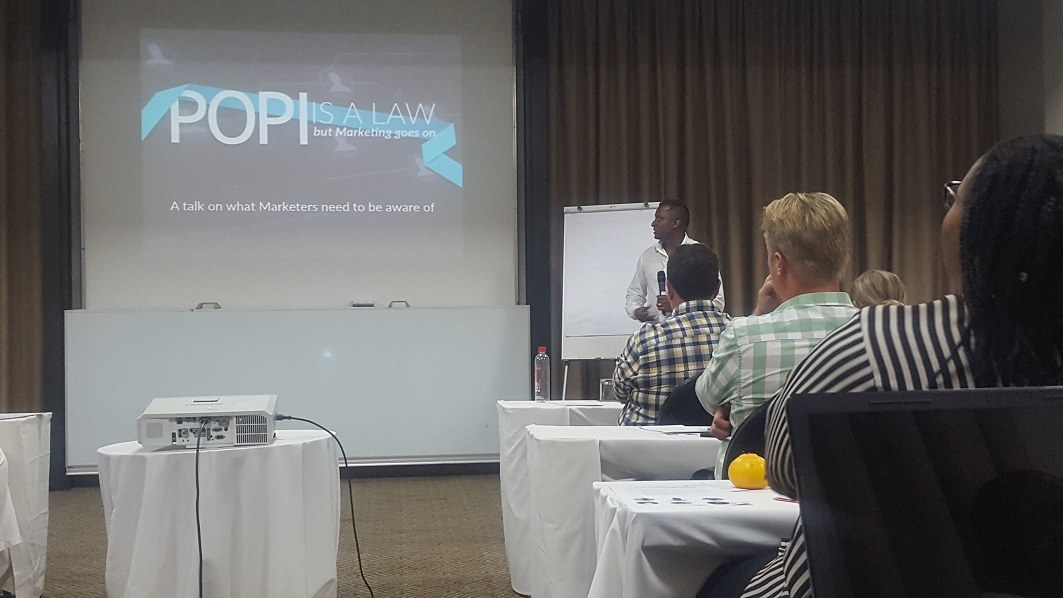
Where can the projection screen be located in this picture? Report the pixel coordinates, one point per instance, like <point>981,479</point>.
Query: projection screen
<point>297,154</point>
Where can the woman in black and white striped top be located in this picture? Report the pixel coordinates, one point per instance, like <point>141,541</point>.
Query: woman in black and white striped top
<point>1002,241</point>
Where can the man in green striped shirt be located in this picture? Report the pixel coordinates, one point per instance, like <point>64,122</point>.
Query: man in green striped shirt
<point>807,237</point>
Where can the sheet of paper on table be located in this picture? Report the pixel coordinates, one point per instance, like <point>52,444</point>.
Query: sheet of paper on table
<point>676,429</point>
<point>690,493</point>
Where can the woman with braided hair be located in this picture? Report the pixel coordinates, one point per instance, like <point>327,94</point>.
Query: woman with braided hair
<point>1002,243</point>
<point>1011,262</point>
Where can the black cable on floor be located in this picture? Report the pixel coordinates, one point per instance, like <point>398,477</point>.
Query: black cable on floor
<point>199,531</point>
<point>350,494</point>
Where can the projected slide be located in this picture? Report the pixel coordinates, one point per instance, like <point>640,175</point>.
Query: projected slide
<point>301,144</point>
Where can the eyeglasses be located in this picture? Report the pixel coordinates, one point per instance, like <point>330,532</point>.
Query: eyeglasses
<point>951,188</point>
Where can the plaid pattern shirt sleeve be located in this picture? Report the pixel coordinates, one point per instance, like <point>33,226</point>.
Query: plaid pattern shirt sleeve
<point>627,367</point>
<point>720,380</point>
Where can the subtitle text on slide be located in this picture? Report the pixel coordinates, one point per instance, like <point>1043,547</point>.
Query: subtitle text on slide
<point>298,207</point>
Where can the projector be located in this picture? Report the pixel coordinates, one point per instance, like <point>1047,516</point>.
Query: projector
<point>225,420</point>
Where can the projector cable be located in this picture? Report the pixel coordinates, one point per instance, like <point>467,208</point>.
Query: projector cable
<point>350,493</point>
<point>199,532</point>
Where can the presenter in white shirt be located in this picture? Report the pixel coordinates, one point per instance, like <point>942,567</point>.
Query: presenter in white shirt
<point>646,302</point>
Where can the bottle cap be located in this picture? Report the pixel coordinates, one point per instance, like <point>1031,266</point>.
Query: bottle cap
<point>542,349</point>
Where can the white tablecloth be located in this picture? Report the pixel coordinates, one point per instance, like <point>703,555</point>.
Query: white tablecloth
<point>269,514</point>
<point>563,464</point>
<point>664,539</point>
<point>9,534</point>
<point>25,439</point>
<point>513,417</point>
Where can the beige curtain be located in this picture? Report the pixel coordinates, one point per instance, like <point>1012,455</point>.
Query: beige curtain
<point>20,222</point>
<point>727,105</point>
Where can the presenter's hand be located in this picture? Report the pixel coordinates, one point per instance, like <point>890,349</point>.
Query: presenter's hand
<point>643,314</point>
<point>721,423</point>
<point>767,299</point>
<point>663,304</point>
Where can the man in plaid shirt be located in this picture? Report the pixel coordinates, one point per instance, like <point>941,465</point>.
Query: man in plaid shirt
<point>807,237</point>
<point>660,356</point>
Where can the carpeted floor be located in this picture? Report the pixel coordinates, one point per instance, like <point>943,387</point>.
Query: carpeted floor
<point>438,537</point>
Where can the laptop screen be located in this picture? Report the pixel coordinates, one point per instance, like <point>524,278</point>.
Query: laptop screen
<point>936,493</point>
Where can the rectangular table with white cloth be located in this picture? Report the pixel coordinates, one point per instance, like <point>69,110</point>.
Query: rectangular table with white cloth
<point>563,464</point>
<point>26,441</point>
<point>269,513</point>
<point>513,417</point>
<point>9,534</point>
<point>664,539</point>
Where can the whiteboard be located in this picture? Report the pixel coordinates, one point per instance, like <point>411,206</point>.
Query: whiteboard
<point>602,248</point>
<point>396,385</point>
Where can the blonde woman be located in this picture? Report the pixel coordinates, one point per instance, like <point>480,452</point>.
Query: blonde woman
<point>878,287</point>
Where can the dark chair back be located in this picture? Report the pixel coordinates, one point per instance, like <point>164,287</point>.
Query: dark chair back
<point>748,437</point>
<point>682,407</point>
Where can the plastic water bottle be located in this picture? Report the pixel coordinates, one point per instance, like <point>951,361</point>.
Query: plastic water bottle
<point>541,369</point>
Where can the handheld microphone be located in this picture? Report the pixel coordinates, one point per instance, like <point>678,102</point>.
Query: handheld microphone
<point>660,281</point>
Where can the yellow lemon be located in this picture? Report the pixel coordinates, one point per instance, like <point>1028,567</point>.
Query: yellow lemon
<point>747,471</point>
